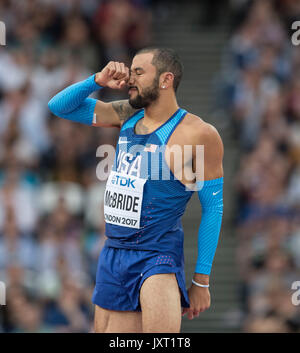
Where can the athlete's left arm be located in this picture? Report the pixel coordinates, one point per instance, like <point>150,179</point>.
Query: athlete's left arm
<point>210,192</point>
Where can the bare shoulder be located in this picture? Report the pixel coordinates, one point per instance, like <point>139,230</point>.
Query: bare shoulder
<point>205,134</point>
<point>199,131</point>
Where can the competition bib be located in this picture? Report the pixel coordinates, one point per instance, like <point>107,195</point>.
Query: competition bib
<point>123,199</point>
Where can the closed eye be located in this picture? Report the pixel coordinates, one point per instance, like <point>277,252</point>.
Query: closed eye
<point>137,71</point>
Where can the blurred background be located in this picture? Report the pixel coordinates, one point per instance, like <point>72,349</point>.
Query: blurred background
<point>242,74</point>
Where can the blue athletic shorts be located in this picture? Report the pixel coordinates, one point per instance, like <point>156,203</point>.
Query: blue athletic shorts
<point>121,273</point>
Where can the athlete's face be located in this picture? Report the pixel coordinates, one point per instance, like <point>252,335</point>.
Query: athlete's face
<point>143,83</point>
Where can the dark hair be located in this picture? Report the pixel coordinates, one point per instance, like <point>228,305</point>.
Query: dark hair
<point>165,60</point>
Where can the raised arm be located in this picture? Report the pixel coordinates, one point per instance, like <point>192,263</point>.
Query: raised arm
<point>112,113</point>
<point>73,103</point>
<point>115,75</point>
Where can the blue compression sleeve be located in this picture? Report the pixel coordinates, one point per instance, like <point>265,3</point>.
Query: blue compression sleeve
<point>211,198</point>
<point>72,102</point>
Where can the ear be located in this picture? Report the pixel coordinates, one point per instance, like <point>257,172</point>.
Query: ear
<point>166,80</point>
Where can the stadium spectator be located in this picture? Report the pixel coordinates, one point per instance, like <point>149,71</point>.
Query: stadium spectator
<point>51,223</point>
<point>264,105</point>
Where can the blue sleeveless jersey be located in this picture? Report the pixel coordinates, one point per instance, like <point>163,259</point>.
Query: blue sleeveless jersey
<point>143,201</point>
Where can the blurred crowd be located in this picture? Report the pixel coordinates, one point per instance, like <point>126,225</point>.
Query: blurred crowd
<point>51,218</point>
<point>261,91</point>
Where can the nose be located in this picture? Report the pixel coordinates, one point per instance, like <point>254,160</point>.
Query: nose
<point>131,79</point>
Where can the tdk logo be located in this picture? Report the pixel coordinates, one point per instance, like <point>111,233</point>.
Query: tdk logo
<point>123,181</point>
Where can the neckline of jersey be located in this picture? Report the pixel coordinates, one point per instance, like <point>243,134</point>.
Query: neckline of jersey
<point>170,118</point>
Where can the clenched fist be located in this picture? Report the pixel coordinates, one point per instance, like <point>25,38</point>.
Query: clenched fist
<point>199,301</point>
<point>115,75</point>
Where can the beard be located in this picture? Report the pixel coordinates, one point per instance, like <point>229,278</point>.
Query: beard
<point>147,96</point>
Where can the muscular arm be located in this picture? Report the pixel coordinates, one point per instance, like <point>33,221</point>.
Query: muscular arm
<point>74,104</point>
<point>210,193</point>
<point>209,137</point>
<point>114,75</point>
<point>113,113</point>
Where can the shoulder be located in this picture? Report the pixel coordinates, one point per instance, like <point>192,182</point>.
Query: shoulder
<point>206,135</point>
<point>201,132</point>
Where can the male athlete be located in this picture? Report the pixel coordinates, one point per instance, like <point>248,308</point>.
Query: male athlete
<point>140,284</point>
